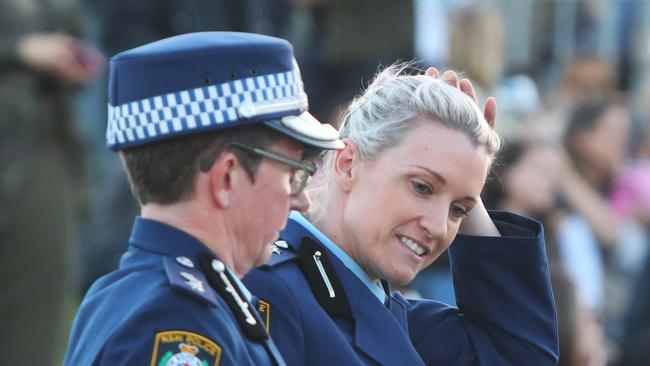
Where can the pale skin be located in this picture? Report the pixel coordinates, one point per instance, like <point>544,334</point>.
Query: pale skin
<point>438,198</point>
<point>236,218</point>
<point>478,222</point>
<point>218,214</point>
<point>434,196</point>
<point>58,55</point>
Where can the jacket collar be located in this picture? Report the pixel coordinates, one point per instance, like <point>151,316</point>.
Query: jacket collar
<point>380,333</point>
<point>157,237</point>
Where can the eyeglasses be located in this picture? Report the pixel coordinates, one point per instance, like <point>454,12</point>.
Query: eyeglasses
<point>300,174</point>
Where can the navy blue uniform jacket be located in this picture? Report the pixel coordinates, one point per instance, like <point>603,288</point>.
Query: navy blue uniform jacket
<point>505,314</point>
<point>161,308</point>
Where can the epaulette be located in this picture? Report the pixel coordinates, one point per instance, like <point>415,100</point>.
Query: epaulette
<point>184,275</point>
<point>224,282</point>
<point>282,252</point>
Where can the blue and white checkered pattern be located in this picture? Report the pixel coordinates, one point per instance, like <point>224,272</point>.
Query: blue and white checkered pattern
<point>151,118</point>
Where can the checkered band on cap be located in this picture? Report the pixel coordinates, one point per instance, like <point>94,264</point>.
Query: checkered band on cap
<point>204,108</point>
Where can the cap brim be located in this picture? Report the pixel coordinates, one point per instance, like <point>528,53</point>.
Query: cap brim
<point>308,130</point>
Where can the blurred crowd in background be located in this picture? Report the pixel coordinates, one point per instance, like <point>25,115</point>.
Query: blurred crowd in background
<point>572,82</point>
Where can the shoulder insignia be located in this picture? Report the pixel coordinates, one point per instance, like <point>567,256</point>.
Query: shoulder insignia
<point>281,252</point>
<point>183,275</point>
<point>322,279</point>
<point>264,309</point>
<point>177,347</point>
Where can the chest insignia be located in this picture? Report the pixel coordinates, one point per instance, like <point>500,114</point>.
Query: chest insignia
<point>264,308</point>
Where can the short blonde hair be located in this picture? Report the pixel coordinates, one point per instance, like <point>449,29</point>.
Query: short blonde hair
<point>378,118</point>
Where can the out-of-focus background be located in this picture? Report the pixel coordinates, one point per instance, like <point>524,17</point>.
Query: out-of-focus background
<point>572,82</point>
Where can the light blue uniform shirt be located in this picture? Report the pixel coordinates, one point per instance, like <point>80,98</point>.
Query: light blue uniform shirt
<point>374,287</point>
<point>247,294</point>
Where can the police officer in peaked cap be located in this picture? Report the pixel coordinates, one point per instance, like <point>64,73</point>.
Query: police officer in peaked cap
<point>214,133</point>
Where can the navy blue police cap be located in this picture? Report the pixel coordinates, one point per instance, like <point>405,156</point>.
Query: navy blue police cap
<point>208,81</point>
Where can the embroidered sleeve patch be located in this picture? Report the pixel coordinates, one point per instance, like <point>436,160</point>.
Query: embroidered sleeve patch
<point>177,347</point>
<point>264,308</point>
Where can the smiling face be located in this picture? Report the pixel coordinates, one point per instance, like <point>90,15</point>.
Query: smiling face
<point>403,208</point>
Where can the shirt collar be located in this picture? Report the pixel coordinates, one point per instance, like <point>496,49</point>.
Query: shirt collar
<point>373,286</point>
<point>241,286</point>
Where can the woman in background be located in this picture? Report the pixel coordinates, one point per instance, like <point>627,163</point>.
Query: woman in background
<point>526,179</point>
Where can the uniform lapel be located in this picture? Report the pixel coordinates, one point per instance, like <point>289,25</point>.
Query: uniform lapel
<point>380,333</point>
<point>396,308</point>
<point>245,313</point>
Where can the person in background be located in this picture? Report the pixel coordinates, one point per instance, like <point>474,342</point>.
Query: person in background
<point>631,200</point>
<point>581,336</point>
<point>417,152</point>
<point>591,234</point>
<point>214,133</point>
<point>475,30</point>
<point>636,332</point>
<point>42,64</point>
<point>585,78</point>
<point>525,178</point>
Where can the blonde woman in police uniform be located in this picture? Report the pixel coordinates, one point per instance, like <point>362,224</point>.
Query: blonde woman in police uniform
<point>406,186</point>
